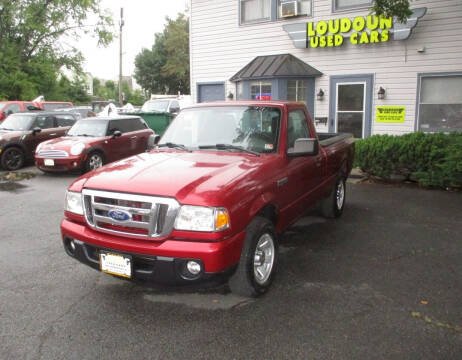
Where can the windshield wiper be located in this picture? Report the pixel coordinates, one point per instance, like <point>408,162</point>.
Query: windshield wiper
<point>174,146</point>
<point>6,129</point>
<point>85,135</point>
<point>229,147</point>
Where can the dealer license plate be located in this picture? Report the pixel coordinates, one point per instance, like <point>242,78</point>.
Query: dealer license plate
<point>49,162</point>
<point>115,264</point>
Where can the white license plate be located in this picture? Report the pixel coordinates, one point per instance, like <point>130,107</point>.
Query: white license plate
<point>115,264</point>
<point>49,162</point>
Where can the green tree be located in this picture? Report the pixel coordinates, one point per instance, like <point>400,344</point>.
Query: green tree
<point>165,68</point>
<point>394,8</point>
<point>31,54</point>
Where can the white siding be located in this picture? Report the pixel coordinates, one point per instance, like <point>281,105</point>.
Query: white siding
<point>220,47</point>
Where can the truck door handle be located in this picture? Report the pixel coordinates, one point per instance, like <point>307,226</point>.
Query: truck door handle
<point>53,134</point>
<point>133,137</point>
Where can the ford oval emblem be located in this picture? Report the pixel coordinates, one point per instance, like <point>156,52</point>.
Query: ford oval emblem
<point>119,215</point>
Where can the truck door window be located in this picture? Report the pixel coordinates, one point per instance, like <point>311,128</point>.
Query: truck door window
<point>12,108</point>
<point>297,127</point>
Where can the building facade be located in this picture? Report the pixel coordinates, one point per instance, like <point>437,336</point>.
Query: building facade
<point>356,72</point>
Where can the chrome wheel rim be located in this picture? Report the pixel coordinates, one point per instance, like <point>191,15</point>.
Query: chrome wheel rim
<point>95,162</point>
<point>340,194</point>
<point>263,260</point>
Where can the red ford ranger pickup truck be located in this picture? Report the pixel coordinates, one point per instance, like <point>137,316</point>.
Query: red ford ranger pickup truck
<point>210,200</point>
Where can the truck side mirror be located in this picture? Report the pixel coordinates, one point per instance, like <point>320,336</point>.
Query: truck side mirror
<point>304,147</point>
<point>116,134</point>
<point>36,130</point>
<point>153,140</point>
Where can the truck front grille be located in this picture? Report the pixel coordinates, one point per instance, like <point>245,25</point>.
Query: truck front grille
<point>53,154</point>
<point>130,214</point>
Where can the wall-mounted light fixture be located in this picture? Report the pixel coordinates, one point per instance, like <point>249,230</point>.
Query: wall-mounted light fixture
<point>320,95</point>
<point>230,96</point>
<point>381,93</point>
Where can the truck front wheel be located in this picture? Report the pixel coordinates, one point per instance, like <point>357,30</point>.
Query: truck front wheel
<point>259,256</point>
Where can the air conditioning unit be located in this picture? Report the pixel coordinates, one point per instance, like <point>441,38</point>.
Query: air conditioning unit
<point>289,8</point>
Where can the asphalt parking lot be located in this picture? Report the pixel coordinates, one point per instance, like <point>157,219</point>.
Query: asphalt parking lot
<point>382,282</point>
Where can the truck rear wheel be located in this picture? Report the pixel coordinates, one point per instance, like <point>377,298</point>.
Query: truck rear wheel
<point>259,256</point>
<point>332,206</point>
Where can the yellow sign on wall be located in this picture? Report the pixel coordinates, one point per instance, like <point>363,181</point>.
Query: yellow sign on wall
<point>361,30</point>
<point>390,114</point>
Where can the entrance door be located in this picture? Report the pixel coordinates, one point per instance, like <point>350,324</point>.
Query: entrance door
<point>351,105</point>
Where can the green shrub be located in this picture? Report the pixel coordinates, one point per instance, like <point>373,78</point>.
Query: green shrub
<point>429,159</point>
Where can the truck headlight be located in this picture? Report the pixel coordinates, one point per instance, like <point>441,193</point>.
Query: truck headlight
<point>201,218</point>
<point>77,149</point>
<point>74,202</point>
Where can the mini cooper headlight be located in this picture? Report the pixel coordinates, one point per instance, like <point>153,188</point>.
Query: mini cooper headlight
<point>73,202</point>
<point>77,149</point>
<point>201,218</point>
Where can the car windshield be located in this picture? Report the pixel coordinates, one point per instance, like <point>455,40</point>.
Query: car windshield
<point>17,122</point>
<point>155,105</point>
<point>88,128</point>
<point>254,128</point>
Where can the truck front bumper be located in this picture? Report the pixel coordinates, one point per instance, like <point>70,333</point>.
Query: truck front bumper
<point>157,262</point>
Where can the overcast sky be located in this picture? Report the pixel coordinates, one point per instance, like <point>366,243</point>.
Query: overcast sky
<point>143,18</point>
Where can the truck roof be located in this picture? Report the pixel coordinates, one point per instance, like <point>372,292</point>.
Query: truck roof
<point>248,103</point>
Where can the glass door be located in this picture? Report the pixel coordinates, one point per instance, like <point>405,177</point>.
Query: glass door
<point>350,108</point>
<point>350,104</point>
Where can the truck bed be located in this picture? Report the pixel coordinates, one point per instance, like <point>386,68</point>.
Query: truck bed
<point>327,139</point>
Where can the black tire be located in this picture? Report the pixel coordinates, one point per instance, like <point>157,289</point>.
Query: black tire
<point>333,205</point>
<point>244,281</point>
<point>94,161</point>
<point>12,158</point>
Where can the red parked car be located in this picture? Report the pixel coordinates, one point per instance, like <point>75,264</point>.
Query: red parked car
<point>92,142</point>
<point>12,107</point>
<point>211,200</point>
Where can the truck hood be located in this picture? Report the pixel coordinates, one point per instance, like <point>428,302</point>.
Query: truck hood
<point>192,178</point>
<point>66,142</point>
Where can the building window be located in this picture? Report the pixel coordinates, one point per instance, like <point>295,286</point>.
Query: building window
<point>260,90</point>
<point>296,90</point>
<point>255,10</point>
<point>340,5</point>
<point>288,8</point>
<point>440,103</point>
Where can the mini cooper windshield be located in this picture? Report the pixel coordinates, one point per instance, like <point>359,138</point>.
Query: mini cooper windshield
<point>94,128</point>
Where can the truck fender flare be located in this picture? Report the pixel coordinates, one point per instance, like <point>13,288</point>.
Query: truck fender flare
<point>264,205</point>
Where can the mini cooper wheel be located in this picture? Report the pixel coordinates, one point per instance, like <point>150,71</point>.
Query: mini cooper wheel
<point>332,206</point>
<point>257,266</point>
<point>94,161</point>
<point>12,159</point>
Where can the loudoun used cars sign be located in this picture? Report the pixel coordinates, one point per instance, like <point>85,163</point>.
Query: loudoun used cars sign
<point>359,30</point>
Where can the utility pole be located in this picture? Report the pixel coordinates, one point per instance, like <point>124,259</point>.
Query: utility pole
<point>121,23</point>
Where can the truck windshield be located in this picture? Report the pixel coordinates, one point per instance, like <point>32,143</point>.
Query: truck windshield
<point>254,128</point>
<point>155,106</point>
<point>88,128</point>
<point>17,122</point>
